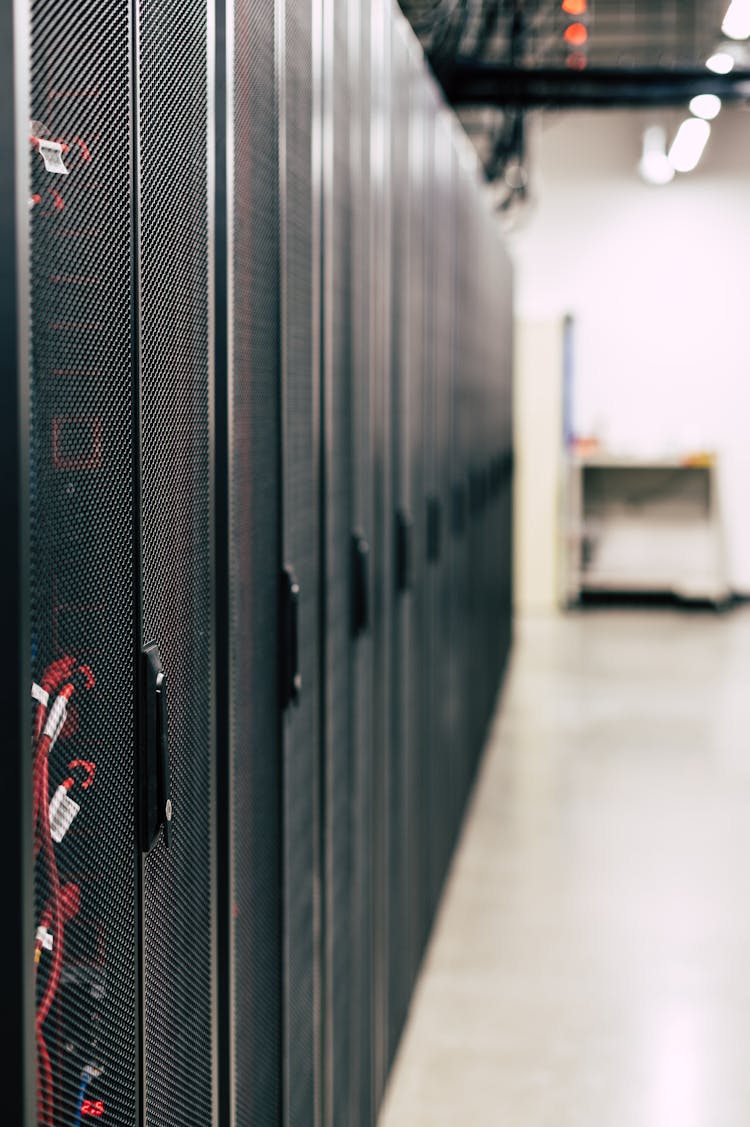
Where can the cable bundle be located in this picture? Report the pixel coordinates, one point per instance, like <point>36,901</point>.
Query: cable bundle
<point>63,678</point>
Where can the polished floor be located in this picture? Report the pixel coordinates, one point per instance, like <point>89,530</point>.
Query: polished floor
<point>591,962</point>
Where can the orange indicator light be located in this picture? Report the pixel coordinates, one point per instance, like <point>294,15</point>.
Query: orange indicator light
<point>576,34</point>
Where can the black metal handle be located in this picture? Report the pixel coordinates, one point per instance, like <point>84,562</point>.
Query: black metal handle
<point>458,522</point>
<point>477,492</point>
<point>404,527</point>
<point>156,796</point>
<point>360,559</point>
<point>290,678</point>
<point>433,529</point>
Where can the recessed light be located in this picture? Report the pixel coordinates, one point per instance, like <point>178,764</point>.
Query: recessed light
<point>720,63</point>
<point>687,147</point>
<point>736,23</point>
<point>706,106</point>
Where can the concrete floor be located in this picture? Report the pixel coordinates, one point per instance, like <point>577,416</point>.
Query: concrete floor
<point>591,962</point>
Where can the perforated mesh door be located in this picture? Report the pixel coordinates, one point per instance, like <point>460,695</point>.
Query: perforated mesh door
<point>429,698</point>
<point>418,857</point>
<point>362,459</point>
<point>464,268</point>
<point>300,266</point>
<point>339,625</point>
<point>382,581</point>
<point>504,446</point>
<point>400,680</point>
<point>81,493</point>
<point>442,750</point>
<point>177,531</point>
<point>254,570</point>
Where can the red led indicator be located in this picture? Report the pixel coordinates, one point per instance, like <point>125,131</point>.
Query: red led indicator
<point>94,1108</point>
<point>574,7</point>
<point>576,34</point>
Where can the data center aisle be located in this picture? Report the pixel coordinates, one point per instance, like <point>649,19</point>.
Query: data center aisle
<point>591,961</point>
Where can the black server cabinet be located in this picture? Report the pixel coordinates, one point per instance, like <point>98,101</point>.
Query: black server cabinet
<point>120,486</point>
<point>401,689</point>
<point>299,93</point>
<point>174,151</point>
<point>359,56</point>
<point>443,337</point>
<point>416,862</point>
<point>253,838</point>
<point>504,460</point>
<point>461,626</point>
<point>455,522</point>
<point>429,748</point>
<point>382,563</point>
<point>83,632</point>
<point>344,567</point>
<point>19,1057</point>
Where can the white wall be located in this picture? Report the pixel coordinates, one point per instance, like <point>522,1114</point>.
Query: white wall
<point>658,282</point>
<point>537,427</point>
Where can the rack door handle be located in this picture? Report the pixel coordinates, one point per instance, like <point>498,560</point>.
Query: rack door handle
<point>433,529</point>
<point>290,677</point>
<point>404,528</point>
<point>360,562</point>
<point>156,789</point>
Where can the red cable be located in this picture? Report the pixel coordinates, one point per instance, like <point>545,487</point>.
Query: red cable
<point>45,1083</point>
<point>53,980</point>
<point>57,918</point>
<point>54,675</point>
<point>40,783</point>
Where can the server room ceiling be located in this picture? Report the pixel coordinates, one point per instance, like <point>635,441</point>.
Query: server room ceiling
<point>498,59</point>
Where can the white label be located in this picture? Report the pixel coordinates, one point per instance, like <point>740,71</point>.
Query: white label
<point>39,694</point>
<point>52,156</point>
<point>62,811</point>
<point>56,719</point>
<point>44,938</point>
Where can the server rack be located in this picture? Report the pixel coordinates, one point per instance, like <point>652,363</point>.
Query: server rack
<point>175,339</point>
<point>430,743</point>
<point>442,337</point>
<point>253,946</point>
<point>382,578</point>
<point>299,93</point>
<point>269,458</point>
<point>456,522</point>
<point>416,319</point>
<point>363,455</point>
<point>84,630</point>
<point>19,1065</point>
<point>402,693</point>
<point>344,566</point>
<point>462,625</point>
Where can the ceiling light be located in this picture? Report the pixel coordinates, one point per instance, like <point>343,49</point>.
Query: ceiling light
<point>689,144</point>
<point>720,63</point>
<point>706,106</point>
<point>576,34</point>
<point>736,23</point>
<point>654,166</point>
